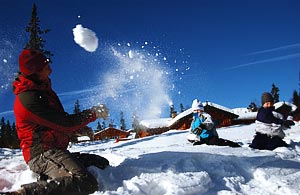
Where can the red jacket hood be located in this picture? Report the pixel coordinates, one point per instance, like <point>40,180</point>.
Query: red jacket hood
<point>22,84</point>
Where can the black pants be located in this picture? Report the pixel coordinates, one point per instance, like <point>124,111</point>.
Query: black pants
<point>63,172</point>
<point>265,142</point>
<point>217,141</point>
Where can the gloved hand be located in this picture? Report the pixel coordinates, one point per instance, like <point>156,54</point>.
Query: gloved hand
<point>101,111</point>
<point>197,131</point>
<point>203,126</point>
<point>288,123</point>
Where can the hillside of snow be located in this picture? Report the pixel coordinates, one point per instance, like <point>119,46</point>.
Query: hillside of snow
<point>169,164</point>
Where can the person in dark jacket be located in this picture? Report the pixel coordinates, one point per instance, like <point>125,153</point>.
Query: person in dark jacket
<point>44,129</point>
<point>203,130</point>
<point>269,126</point>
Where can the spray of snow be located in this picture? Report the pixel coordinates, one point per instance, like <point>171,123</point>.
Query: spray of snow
<point>137,80</point>
<point>8,64</point>
<point>86,38</point>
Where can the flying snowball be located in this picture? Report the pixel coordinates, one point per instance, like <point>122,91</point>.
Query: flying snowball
<point>85,38</point>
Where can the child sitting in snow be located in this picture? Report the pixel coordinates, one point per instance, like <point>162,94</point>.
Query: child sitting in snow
<point>203,130</point>
<point>269,126</point>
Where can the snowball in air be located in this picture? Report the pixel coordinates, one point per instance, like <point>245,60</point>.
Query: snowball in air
<point>86,38</point>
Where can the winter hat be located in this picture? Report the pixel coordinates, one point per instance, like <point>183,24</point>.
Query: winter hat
<point>32,61</point>
<point>266,97</point>
<point>197,105</point>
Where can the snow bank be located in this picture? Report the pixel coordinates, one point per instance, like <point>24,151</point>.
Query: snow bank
<point>169,164</point>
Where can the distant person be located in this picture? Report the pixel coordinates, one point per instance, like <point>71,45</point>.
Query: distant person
<point>203,130</point>
<point>44,129</point>
<point>269,126</point>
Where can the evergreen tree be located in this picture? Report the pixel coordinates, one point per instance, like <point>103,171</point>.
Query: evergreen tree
<point>99,127</point>
<point>6,135</point>
<point>16,141</point>
<point>2,130</point>
<point>103,125</point>
<point>275,93</point>
<point>296,99</point>
<point>77,107</point>
<point>181,107</point>
<point>36,41</point>
<point>122,121</point>
<point>252,106</point>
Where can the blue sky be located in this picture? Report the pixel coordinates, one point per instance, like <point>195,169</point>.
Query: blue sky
<point>227,52</point>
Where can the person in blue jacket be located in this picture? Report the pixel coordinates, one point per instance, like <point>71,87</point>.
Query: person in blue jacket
<point>269,126</point>
<point>203,130</point>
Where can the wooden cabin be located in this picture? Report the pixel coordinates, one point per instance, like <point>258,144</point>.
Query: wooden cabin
<point>111,133</point>
<point>222,117</point>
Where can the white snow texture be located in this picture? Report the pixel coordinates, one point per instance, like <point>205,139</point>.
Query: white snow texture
<point>169,164</point>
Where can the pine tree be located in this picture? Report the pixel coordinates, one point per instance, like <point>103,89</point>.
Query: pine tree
<point>6,135</point>
<point>36,41</point>
<point>103,125</point>
<point>296,99</point>
<point>275,93</point>
<point>15,139</point>
<point>77,107</point>
<point>252,106</point>
<point>122,121</point>
<point>2,130</point>
<point>181,107</point>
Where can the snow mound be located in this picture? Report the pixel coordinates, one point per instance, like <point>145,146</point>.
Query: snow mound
<point>169,164</point>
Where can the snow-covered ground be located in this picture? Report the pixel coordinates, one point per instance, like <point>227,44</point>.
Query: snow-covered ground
<point>168,164</point>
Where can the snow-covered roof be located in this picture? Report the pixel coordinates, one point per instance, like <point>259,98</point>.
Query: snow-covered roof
<point>247,116</point>
<point>218,106</point>
<point>156,123</point>
<point>167,122</point>
<point>279,104</point>
<point>181,115</point>
<point>239,111</point>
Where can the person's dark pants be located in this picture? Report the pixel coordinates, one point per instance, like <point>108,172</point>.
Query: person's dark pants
<point>265,142</point>
<point>63,172</point>
<point>217,141</point>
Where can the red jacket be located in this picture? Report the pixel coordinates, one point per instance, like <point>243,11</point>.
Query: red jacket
<point>41,121</point>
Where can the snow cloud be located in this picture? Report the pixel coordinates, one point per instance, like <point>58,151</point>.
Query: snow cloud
<point>85,37</point>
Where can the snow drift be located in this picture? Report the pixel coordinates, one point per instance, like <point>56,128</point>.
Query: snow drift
<point>168,164</point>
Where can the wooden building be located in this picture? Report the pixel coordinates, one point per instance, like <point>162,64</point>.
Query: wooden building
<point>111,133</point>
<point>222,117</point>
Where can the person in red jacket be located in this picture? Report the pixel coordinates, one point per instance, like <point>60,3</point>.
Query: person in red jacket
<point>44,129</point>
